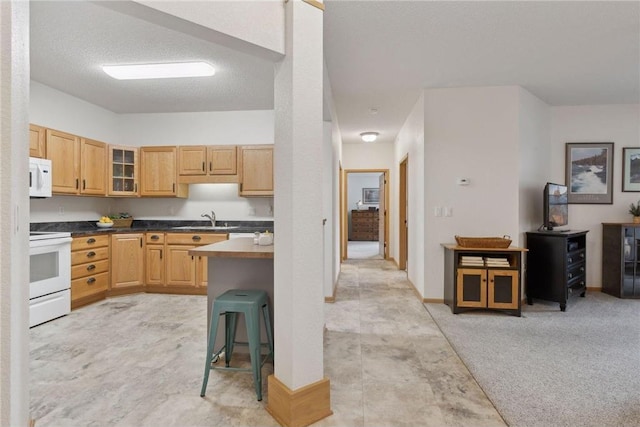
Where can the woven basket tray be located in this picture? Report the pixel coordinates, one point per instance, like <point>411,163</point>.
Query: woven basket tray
<point>483,242</point>
<point>122,223</point>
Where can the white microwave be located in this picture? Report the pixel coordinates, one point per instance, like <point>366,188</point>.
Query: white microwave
<point>39,177</point>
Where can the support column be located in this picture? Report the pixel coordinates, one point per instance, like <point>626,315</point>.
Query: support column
<point>298,392</point>
<point>14,213</point>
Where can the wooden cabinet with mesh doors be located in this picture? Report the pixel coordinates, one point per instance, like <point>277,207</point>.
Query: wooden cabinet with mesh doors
<point>483,278</point>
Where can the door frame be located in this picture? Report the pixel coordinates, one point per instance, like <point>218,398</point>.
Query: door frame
<point>344,228</point>
<point>403,230</point>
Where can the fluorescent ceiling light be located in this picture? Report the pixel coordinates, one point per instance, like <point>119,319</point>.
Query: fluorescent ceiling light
<point>369,136</point>
<point>159,71</point>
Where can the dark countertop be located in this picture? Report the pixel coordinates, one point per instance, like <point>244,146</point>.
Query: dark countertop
<point>79,228</point>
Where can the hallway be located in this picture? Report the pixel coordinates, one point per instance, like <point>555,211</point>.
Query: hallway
<point>137,360</point>
<point>388,362</point>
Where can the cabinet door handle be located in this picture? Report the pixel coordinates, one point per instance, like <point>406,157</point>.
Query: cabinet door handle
<point>196,238</point>
<point>581,255</point>
<point>174,187</point>
<point>570,275</point>
<point>141,242</point>
<point>210,166</point>
<point>582,269</point>
<point>91,267</point>
<point>202,166</point>
<point>84,184</point>
<point>91,254</point>
<point>155,237</point>
<point>91,240</point>
<point>570,259</point>
<point>160,253</point>
<point>77,183</point>
<point>91,280</point>
<point>135,188</point>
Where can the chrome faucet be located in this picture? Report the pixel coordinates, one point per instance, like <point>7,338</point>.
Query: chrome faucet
<point>211,217</point>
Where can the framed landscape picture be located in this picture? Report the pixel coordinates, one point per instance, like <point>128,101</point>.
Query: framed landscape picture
<point>589,172</point>
<point>630,169</point>
<point>371,196</point>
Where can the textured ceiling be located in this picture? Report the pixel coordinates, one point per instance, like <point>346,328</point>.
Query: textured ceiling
<point>381,54</point>
<point>378,55</point>
<point>71,40</point>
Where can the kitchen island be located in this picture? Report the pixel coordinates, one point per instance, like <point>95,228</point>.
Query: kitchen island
<point>237,264</point>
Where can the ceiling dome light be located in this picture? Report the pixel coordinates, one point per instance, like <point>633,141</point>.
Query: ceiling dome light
<point>369,136</point>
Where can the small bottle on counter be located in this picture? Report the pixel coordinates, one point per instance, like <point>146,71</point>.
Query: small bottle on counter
<point>256,237</point>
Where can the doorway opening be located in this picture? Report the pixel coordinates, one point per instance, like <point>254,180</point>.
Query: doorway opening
<point>364,214</point>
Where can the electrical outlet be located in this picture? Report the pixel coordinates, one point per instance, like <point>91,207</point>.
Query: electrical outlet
<point>60,210</point>
<point>437,211</point>
<point>448,211</point>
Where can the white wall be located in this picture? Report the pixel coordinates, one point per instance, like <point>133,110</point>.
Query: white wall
<point>471,133</point>
<point>535,162</point>
<point>410,144</point>
<point>259,23</point>
<point>619,124</point>
<point>356,181</point>
<point>51,108</point>
<point>55,109</point>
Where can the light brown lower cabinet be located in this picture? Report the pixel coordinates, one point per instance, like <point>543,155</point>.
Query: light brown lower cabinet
<point>127,261</point>
<point>89,269</point>
<point>170,268</point>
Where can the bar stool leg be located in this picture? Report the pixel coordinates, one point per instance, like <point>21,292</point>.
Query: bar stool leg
<point>267,324</point>
<point>253,333</point>
<point>213,328</point>
<point>231,326</point>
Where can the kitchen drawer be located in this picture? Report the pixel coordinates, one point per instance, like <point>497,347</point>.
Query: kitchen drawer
<point>88,255</point>
<point>154,238</point>
<point>90,268</point>
<point>86,286</point>
<point>576,271</point>
<point>194,238</point>
<point>86,242</point>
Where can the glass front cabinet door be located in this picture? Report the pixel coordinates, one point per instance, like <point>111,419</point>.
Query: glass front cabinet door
<point>123,171</point>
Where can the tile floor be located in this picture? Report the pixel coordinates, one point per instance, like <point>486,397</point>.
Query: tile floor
<point>363,250</point>
<point>137,361</point>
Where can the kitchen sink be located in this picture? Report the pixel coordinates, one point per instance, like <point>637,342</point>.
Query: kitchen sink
<point>206,227</point>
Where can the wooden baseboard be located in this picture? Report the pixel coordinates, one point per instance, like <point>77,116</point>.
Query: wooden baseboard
<point>433,300</point>
<point>125,291</point>
<point>81,302</point>
<point>177,291</point>
<point>415,290</point>
<point>301,407</point>
<point>332,298</point>
<point>593,289</point>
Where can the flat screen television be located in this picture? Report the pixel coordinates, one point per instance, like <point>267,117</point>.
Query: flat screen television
<point>556,206</point>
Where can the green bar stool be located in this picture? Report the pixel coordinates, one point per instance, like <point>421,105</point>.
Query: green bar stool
<point>230,304</point>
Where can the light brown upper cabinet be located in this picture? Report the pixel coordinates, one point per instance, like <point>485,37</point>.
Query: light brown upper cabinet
<point>255,167</point>
<point>123,171</point>
<point>63,149</point>
<point>78,165</point>
<point>207,164</point>
<point>93,167</point>
<point>37,135</point>
<point>159,173</point>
